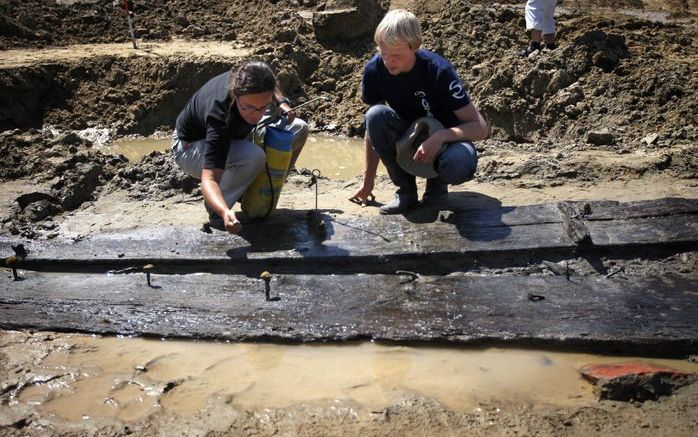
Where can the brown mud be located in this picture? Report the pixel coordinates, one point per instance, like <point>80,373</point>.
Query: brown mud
<point>612,113</point>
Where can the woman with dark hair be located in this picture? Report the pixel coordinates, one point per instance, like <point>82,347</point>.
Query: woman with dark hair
<point>211,137</point>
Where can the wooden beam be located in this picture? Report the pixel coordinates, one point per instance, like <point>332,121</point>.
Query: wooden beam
<point>631,315</point>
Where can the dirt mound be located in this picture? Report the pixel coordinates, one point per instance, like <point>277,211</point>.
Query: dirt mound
<point>132,95</point>
<point>37,23</point>
<point>66,172</point>
<point>155,177</point>
<point>627,76</point>
<point>345,20</point>
<point>589,82</point>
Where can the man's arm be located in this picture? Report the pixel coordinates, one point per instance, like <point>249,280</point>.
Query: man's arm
<point>366,192</point>
<point>213,196</point>
<point>371,95</point>
<point>472,128</point>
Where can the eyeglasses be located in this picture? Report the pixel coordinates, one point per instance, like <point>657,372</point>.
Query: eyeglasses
<point>252,108</point>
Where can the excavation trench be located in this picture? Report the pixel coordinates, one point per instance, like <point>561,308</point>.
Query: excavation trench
<point>606,115</point>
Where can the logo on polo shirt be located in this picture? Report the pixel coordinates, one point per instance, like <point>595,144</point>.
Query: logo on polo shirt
<point>425,103</point>
<point>457,88</point>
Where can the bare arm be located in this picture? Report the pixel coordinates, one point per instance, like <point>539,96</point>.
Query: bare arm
<point>362,196</point>
<point>472,128</point>
<point>279,96</point>
<point>214,198</point>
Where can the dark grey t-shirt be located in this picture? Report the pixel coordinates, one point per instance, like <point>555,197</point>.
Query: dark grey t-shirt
<point>212,114</point>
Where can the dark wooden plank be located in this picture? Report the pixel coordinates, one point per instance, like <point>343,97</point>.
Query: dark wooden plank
<point>588,312</point>
<point>505,215</point>
<point>287,236</point>
<point>376,236</point>
<point>597,210</point>
<point>654,230</point>
<point>642,209</point>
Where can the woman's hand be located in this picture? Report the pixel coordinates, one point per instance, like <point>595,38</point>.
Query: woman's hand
<point>290,116</point>
<point>231,222</point>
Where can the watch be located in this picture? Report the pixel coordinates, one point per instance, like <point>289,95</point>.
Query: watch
<point>283,100</point>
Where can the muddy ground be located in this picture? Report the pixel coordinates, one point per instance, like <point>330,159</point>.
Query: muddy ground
<point>610,114</point>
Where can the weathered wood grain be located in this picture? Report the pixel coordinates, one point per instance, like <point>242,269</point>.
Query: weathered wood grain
<point>368,240</point>
<point>656,315</point>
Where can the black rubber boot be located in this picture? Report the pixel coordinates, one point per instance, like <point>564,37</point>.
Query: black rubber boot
<point>435,193</point>
<point>530,49</point>
<point>400,205</point>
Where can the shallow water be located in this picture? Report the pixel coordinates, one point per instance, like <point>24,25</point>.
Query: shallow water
<point>136,148</point>
<point>335,157</point>
<point>129,379</point>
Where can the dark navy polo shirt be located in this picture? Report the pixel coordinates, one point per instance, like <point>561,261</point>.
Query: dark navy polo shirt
<point>432,87</point>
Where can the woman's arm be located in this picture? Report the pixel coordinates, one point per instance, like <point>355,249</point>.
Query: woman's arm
<point>214,198</point>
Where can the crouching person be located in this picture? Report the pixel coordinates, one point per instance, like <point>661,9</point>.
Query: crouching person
<point>211,141</point>
<point>421,121</point>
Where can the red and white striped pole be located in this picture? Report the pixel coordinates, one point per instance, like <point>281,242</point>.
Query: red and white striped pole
<point>130,24</point>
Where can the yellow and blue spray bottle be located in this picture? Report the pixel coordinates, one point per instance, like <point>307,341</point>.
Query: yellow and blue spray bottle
<point>262,195</point>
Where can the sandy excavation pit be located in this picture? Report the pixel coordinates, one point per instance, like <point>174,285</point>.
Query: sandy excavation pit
<point>611,114</point>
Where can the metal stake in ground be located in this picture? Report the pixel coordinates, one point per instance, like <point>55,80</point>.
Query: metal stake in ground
<point>266,277</point>
<point>315,222</point>
<point>313,181</point>
<point>148,269</point>
<point>14,260</point>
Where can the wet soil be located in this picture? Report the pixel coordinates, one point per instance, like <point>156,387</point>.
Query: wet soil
<point>60,384</point>
<point>610,114</point>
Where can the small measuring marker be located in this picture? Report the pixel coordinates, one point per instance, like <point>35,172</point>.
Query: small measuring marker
<point>127,6</point>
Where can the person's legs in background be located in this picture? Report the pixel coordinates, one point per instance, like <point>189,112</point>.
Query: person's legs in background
<point>540,23</point>
<point>549,30</point>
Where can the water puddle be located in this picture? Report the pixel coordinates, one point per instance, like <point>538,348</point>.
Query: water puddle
<point>134,149</point>
<point>129,379</point>
<point>335,157</point>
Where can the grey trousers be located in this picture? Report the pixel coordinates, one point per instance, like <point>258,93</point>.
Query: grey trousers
<point>245,160</point>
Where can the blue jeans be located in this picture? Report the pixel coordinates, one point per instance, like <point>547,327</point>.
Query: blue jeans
<point>456,163</point>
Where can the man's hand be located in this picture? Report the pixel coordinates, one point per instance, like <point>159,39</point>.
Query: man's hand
<point>231,222</point>
<point>428,150</point>
<point>365,195</point>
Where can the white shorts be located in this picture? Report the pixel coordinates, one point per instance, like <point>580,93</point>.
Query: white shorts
<point>540,15</point>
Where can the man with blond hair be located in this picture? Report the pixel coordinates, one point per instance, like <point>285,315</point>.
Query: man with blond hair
<point>403,84</point>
